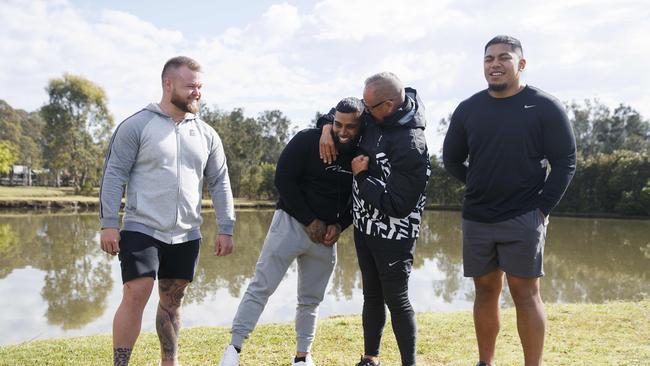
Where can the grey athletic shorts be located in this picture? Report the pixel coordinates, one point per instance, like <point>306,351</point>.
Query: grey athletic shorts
<point>515,245</point>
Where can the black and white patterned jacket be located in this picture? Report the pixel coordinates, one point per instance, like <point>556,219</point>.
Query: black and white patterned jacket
<point>388,198</point>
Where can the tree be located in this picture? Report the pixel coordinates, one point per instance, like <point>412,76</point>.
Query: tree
<point>442,188</point>
<point>10,134</point>
<point>77,129</point>
<point>610,183</point>
<point>599,131</point>
<point>242,141</point>
<point>582,118</point>
<point>276,129</point>
<point>636,130</point>
<point>24,131</point>
<point>31,142</point>
<point>249,144</point>
<point>7,156</point>
<point>10,128</point>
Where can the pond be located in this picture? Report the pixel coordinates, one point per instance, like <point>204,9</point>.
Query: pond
<point>55,281</point>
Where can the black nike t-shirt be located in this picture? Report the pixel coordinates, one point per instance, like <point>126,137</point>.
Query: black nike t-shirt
<point>509,144</point>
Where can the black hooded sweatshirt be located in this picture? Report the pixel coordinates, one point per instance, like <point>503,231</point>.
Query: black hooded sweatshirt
<point>310,189</point>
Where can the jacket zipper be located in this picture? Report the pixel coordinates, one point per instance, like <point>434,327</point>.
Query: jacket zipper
<point>178,173</point>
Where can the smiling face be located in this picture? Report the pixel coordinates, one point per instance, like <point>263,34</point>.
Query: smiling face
<point>502,68</point>
<point>346,129</point>
<point>185,89</point>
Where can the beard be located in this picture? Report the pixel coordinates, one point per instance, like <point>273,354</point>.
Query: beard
<point>497,87</point>
<point>344,148</point>
<point>185,105</point>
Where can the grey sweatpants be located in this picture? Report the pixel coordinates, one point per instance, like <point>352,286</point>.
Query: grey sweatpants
<point>286,241</point>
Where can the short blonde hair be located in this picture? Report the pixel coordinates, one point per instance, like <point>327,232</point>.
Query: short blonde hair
<point>178,61</point>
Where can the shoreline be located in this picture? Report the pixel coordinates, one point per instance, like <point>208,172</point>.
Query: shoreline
<point>88,203</point>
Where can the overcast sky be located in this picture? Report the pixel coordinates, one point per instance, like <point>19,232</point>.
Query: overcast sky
<point>303,56</point>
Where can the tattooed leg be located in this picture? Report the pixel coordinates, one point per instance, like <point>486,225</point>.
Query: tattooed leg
<point>168,319</point>
<point>128,318</point>
<point>121,356</point>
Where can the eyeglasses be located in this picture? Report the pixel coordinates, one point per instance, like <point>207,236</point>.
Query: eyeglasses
<point>370,108</point>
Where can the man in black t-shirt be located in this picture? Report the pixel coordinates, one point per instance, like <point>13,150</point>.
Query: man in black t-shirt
<point>520,153</point>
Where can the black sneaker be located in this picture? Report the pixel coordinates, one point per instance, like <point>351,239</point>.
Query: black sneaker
<point>367,362</point>
<point>481,363</point>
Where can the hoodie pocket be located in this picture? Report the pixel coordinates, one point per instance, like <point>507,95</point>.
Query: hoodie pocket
<point>157,209</point>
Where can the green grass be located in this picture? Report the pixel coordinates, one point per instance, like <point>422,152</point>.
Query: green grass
<point>30,197</point>
<point>50,193</point>
<point>609,334</point>
<point>34,192</point>
<point>42,196</point>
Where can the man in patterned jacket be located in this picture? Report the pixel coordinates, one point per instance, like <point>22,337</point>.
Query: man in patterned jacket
<point>390,178</point>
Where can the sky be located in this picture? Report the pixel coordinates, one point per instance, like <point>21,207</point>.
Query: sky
<point>304,56</point>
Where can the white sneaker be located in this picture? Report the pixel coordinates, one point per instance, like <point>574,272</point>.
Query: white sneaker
<point>308,362</point>
<point>230,357</point>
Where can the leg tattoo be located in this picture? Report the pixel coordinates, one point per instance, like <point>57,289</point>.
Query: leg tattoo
<point>168,316</point>
<point>121,356</point>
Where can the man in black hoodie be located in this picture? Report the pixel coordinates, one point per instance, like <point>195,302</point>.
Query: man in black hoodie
<point>390,177</point>
<point>313,208</point>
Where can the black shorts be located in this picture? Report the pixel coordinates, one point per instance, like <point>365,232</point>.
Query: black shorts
<point>143,256</point>
<point>516,246</point>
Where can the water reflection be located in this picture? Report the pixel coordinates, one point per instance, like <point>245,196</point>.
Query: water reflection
<point>597,260</point>
<point>587,260</point>
<point>77,277</point>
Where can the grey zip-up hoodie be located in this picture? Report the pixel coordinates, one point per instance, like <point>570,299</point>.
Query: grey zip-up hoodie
<point>163,165</point>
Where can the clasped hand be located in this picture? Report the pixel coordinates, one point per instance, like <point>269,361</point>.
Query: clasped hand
<point>327,235</point>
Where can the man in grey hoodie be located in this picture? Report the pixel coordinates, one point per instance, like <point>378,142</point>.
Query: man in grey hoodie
<point>162,154</point>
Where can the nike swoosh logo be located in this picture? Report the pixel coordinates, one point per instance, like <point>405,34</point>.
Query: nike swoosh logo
<point>392,264</point>
<point>529,106</point>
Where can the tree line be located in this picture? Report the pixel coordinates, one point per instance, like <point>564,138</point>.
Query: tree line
<point>64,143</point>
<point>613,163</point>
<point>64,140</point>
